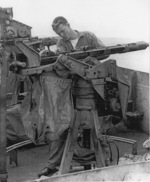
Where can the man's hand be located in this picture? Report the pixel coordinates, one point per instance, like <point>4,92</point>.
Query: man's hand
<point>60,69</point>
<point>91,60</point>
<point>48,41</point>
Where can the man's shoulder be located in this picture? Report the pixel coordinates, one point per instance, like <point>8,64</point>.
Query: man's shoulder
<point>86,33</point>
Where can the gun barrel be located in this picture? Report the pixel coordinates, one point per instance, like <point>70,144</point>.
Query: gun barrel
<point>102,52</point>
<point>135,46</point>
<point>120,48</point>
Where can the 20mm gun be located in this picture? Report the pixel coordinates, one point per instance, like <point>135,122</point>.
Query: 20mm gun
<point>48,63</point>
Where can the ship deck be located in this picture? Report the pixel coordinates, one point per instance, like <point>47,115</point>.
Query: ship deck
<point>31,158</point>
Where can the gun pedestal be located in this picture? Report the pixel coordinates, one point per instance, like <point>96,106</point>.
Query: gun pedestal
<point>85,115</point>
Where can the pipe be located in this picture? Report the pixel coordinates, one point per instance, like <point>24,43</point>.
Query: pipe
<point>3,89</point>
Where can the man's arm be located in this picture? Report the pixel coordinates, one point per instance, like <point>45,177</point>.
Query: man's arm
<point>96,42</point>
<point>60,46</point>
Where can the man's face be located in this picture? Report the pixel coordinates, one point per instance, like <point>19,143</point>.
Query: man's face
<point>64,31</point>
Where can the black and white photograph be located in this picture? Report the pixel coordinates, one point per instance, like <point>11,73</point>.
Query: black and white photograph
<point>74,90</point>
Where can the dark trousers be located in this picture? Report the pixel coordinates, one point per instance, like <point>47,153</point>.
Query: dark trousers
<point>56,151</point>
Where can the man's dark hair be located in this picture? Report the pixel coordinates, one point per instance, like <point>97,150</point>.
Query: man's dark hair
<point>57,21</point>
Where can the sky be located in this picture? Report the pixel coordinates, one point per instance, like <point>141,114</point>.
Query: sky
<point>119,20</point>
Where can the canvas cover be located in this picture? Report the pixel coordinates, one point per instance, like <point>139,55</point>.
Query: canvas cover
<point>15,131</point>
<point>47,109</point>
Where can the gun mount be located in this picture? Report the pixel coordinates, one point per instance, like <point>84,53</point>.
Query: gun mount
<point>106,77</point>
<point>101,90</point>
